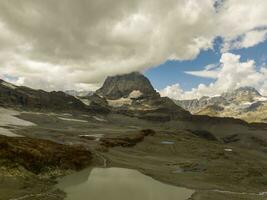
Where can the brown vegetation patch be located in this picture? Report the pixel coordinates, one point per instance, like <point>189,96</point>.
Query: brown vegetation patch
<point>128,140</point>
<point>40,155</point>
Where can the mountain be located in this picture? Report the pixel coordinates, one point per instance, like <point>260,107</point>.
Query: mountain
<point>133,95</point>
<point>27,98</point>
<point>245,103</point>
<point>242,95</point>
<point>122,86</point>
<point>20,96</point>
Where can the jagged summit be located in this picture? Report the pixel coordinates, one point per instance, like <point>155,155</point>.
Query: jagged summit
<point>133,95</point>
<point>248,93</point>
<point>119,86</point>
<point>248,89</point>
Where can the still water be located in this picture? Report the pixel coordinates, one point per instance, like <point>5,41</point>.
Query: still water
<point>118,184</point>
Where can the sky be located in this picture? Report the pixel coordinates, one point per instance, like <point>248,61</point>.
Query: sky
<point>187,48</point>
<point>172,76</point>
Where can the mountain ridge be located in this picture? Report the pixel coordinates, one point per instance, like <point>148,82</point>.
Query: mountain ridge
<point>244,103</point>
<point>26,97</point>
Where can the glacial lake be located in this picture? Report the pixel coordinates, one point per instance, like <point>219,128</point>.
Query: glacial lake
<point>118,184</point>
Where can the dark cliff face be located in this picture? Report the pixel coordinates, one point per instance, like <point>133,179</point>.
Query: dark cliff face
<point>122,85</point>
<point>11,95</point>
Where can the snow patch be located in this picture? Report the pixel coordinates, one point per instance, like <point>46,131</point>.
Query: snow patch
<point>248,103</point>
<point>99,119</point>
<point>96,136</point>
<point>85,101</point>
<point>135,94</point>
<point>167,142</point>
<point>71,119</point>
<point>125,101</point>
<point>119,102</point>
<point>228,150</point>
<point>6,132</point>
<point>216,95</point>
<point>261,98</point>
<point>8,119</point>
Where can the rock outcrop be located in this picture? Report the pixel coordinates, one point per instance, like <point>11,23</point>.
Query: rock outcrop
<point>121,86</point>
<point>126,140</point>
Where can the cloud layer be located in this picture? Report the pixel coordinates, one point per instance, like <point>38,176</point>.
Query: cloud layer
<point>230,74</point>
<point>75,44</point>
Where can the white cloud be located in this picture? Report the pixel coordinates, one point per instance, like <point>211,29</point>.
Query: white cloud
<point>204,73</point>
<point>172,91</point>
<point>249,39</point>
<point>70,44</point>
<point>252,38</point>
<point>211,66</point>
<point>231,74</point>
<point>208,72</point>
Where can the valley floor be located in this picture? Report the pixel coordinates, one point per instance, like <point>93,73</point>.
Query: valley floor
<point>175,155</point>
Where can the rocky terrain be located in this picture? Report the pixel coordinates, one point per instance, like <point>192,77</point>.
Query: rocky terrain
<point>126,124</point>
<point>126,140</point>
<point>244,103</point>
<point>122,86</point>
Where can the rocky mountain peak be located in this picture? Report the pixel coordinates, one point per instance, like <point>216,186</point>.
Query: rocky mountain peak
<point>242,94</point>
<point>244,103</point>
<point>120,86</point>
<point>249,90</point>
<point>245,91</point>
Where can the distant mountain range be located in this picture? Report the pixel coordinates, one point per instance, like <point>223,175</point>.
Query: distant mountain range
<point>133,95</point>
<point>130,94</point>
<point>245,103</point>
